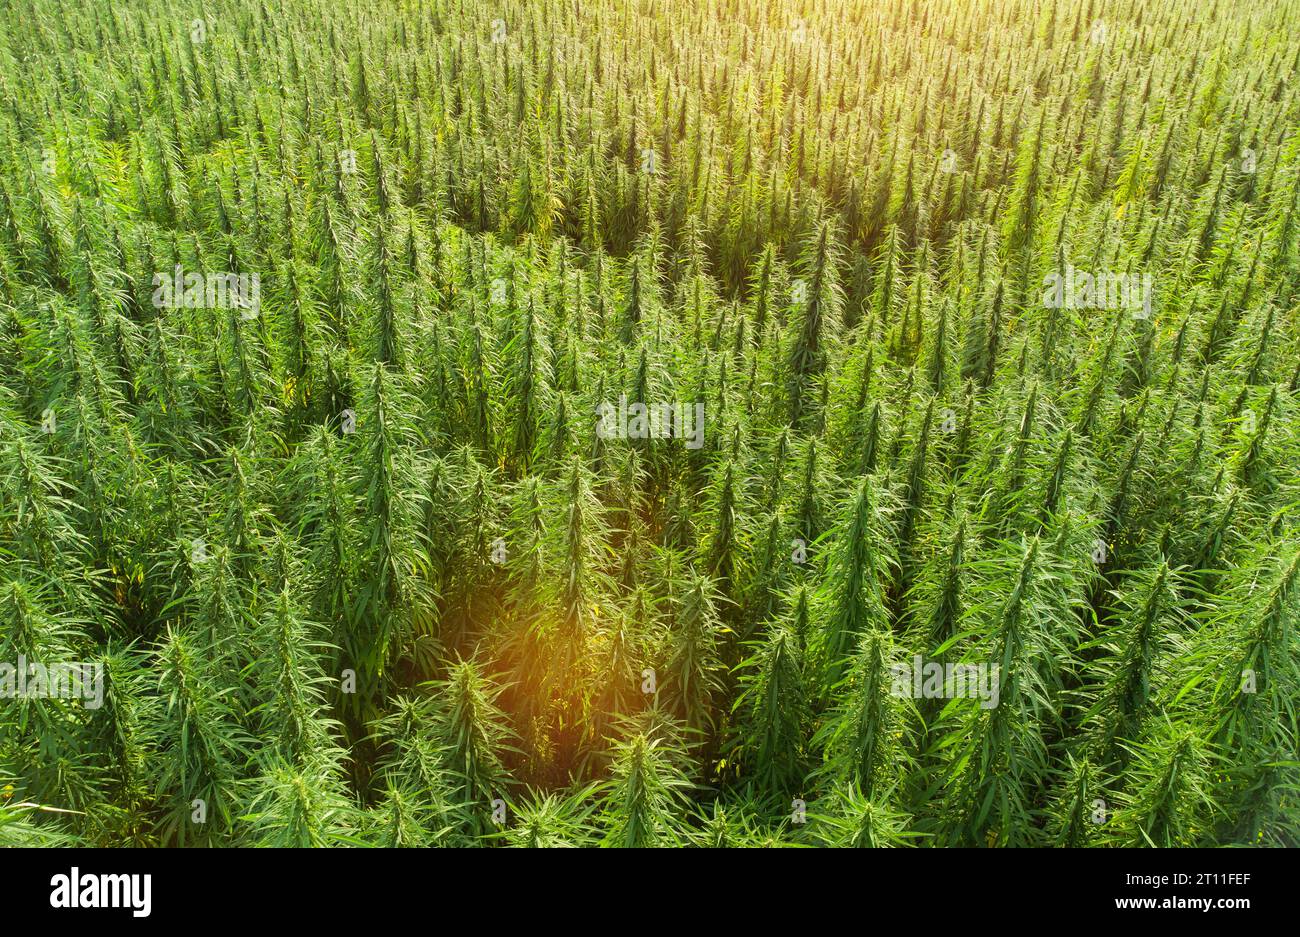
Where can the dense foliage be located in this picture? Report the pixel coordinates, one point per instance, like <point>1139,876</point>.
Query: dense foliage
<point>361,566</point>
